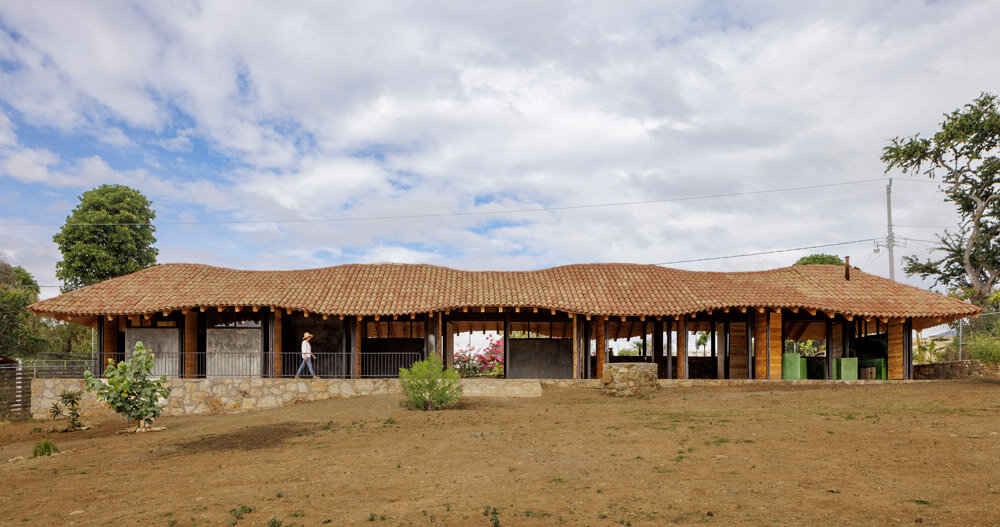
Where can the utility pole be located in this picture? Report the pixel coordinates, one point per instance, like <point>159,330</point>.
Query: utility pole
<point>890,241</point>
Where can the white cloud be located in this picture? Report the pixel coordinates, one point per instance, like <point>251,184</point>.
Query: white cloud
<point>370,109</point>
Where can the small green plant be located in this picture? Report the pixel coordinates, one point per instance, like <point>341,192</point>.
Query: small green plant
<point>274,522</point>
<point>70,400</point>
<point>129,390</point>
<point>44,448</point>
<point>238,512</point>
<point>428,386</point>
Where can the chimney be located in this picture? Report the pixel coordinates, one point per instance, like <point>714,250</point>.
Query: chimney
<point>847,268</point>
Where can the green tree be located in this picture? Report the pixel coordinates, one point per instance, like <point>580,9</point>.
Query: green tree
<point>965,155</point>
<point>129,389</point>
<point>820,259</point>
<point>20,330</point>
<point>109,234</point>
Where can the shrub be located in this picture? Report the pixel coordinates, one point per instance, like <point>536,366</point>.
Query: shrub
<point>44,448</point>
<point>985,348</point>
<point>470,362</point>
<point>129,389</point>
<point>428,386</point>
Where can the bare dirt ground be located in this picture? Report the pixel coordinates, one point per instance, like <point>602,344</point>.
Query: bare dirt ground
<point>915,453</point>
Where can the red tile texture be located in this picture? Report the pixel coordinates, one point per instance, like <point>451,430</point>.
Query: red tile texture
<point>611,289</point>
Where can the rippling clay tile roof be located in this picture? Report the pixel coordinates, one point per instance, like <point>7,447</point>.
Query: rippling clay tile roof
<point>597,289</point>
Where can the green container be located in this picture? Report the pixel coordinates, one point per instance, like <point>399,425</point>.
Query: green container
<point>846,368</point>
<point>791,366</point>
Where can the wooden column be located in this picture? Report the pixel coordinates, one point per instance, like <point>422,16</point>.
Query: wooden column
<point>576,348</point>
<point>600,346</point>
<point>682,326</point>
<point>776,345</point>
<point>278,340</point>
<point>738,347</point>
<point>897,367</point>
<point>506,343</point>
<point>356,348</point>
<point>109,348</point>
<point>191,344</point>
<point>829,350</point>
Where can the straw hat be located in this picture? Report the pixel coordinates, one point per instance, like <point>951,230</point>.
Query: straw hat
<point>307,335</point>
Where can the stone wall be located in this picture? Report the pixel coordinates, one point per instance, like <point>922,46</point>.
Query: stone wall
<point>625,379</point>
<point>225,395</point>
<point>955,370</point>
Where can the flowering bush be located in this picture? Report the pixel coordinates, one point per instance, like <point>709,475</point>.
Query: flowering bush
<point>471,362</point>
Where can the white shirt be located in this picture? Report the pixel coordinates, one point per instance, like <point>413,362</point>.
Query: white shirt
<point>306,349</point>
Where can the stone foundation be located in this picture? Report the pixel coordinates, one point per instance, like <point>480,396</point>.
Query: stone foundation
<point>961,369</point>
<point>228,395</point>
<point>629,379</point>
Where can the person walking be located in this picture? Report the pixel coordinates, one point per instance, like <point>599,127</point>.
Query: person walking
<point>307,356</point>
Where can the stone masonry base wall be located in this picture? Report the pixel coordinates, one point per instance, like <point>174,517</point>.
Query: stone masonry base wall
<point>224,395</point>
<point>960,369</point>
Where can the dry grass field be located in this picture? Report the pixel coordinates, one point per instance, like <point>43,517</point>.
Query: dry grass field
<point>898,454</point>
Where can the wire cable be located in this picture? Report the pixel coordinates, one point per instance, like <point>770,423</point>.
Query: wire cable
<point>455,214</point>
<point>775,251</point>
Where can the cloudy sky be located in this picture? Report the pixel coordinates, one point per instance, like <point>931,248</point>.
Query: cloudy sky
<point>392,122</point>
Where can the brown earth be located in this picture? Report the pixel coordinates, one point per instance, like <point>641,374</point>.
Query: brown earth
<point>926,453</point>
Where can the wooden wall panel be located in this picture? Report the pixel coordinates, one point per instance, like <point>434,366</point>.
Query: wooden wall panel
<point>777,345</point>
<point>737,350</point>
<point>109,348</point>
<point>760,346</point>
<point>191,344</point>
<point>897,367</point>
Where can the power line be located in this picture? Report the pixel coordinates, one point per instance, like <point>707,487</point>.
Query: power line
<point>456,214</point>
<point>775,251</point>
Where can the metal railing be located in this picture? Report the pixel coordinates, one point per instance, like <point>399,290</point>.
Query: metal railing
<point>15,392</point>
<point>237,364</point>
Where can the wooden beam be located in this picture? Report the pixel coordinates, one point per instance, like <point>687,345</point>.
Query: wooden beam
<point>395,317</point>
<point>167,313</point>
<point>305,314</point>
<point>255,308</point>
<point>830,314</point>
<point>221,308</point>
<point>517,309</point>
<point>743,309</point>
<point>465,309</point>
<point>570,315</point>
<point>794,309</point>
<point>185,311</point>
<point>325,316</point>
<point>110,318</point>
<point>642,318</point>
<point>237,308</point>
<point>724,310</point>
<point>376,318</point>
<point>761,310</point>
<point>341,317</point>
<point>203,309</point>
<point>553,311</point>
<point>499,309</point>
<point>288,311</point>
<point>482,309</point>
<point>535,309</point>
<point>587,316</point>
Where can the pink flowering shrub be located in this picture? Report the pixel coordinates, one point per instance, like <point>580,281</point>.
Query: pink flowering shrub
<point>471,362</point>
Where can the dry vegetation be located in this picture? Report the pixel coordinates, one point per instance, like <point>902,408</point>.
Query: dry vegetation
<point>923,453</point>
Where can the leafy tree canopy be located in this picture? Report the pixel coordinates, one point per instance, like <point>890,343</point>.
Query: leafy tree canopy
<point>820,259</point>
<point>18,326</point>
<point>109,234</point>
<point>965,155</point>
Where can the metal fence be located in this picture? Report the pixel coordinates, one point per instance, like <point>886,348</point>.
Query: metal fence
<point>15,392</point>
<point>237,364</point>
<point>974,337</point>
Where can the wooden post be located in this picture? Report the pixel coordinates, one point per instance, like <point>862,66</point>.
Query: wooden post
<point>576,348</point>
<point>191,344</point>
<point>776,345</point>
<point>897,368</point>
<point>278,343</point>
<point>682,365</point>
<point>600,346</point>
<point>356,347</point>
<point>506,344</point>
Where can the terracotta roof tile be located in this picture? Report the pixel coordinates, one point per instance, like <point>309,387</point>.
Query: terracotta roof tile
<point>595,289</point>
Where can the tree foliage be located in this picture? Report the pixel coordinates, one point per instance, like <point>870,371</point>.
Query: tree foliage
<point>129,389</point>
<point>965,155</point>
<point>820,259</point>
<point>109,234</point>
<point>20,330</point>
